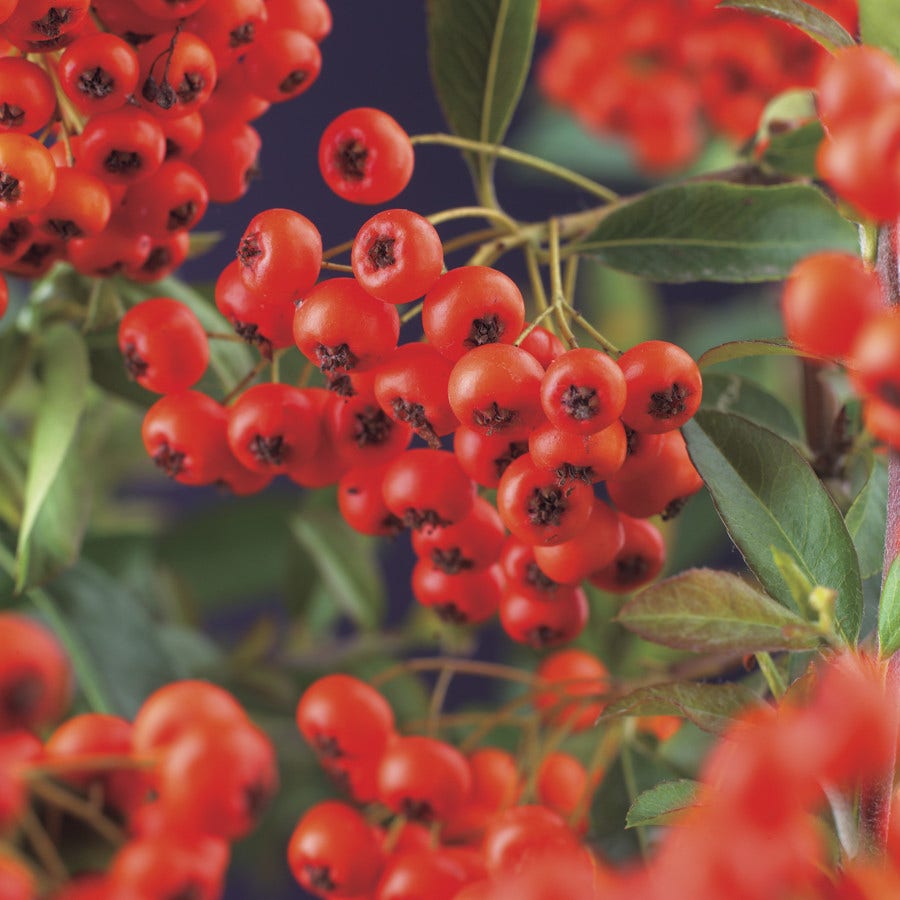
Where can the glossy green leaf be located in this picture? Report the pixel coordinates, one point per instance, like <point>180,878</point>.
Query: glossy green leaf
<point>65,377</point>
<point>707,611</point>
<point>346,563</point>
<point>731,393</point>
<point>889,612</point>
<point>732,350</point>
<point>867,518</point>
<point>817,24</point>
<point>480,54</point>
<point>879,24</point>
<point>794,151</point>
<point>768,497</point>
<point>718,231</point>
<point>711,707</point>
<point>663,803</point>
<point>115,636</point>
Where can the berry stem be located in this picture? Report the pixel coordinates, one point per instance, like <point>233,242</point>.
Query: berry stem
<point>524,159</point>
<point>556,286</point>
<point>336,267</point>
<point>773,677</point>
<point>79,809</point>
<point>412,312</point>
<point>469,212</point>
<point>606,750</point>
<point>461,666</point>
<point>534,323</point>
<point>601,339</point>
<point>438,696</point>
<point>245,381</point>
<point>43,846</point>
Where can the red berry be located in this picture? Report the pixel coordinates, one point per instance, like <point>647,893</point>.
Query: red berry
<point>99,72</point>
<point>283,65</point>
<point>577,682</point>
<point>27,175</point>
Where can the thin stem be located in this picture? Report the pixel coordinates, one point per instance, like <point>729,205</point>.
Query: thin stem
<point>460,666</point>
<point>79,809</point>
<point>336,267</point>
<point>773,677</point>
<point>412,312</point>
<point>229,336</point>
<point>505,714</point>
<point>43,846</point>
<point>595,335</point>
<point>331,252</point>
<point>38,770</point>
<point>93,305</point>
<point>247,379</point>
<point>534,276</point>
<point>473,237</point>
<point>470,212</point>
<point>605,752</point>
<point>525,159</point>
<point>438,696</point>
<point>534,323</point>
<point>570,278</point>
<point>556,289</point>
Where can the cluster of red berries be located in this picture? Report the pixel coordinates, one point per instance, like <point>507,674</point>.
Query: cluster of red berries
<point>662,74</point>
<point>858,101</point>
<point>163,795</point>
<point>437,822</point>
<point>147,105</point>
<point>834,306</point>
<point>541,424</point>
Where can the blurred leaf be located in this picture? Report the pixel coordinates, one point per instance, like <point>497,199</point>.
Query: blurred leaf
<point>711,707</point>
<point>819,26</point>
<point>731,393</point>
<point>718,231</point>
<point>889,613</point>
<point>742,349</point>
<point>706,611</point>
<point>12,482</point>
<point>867,519</point>
<point>65,377</point>
<point>794,151</point>
<point>15,354</point>
<point>879,24</point>
<point>480,53</point>
<point>346,563</point>
<point>769,497</point>
<point>663,803</point>
<point>191,652</point>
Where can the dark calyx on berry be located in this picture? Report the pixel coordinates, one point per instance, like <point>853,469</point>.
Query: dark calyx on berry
<point>413,414</point>
<point>669,403</point>
<point>135,364</point>
<point>292,81</point>
<point>249,249</point>
<point>188,891</point>
<point>65,228</point>
<point>537,579</point>
<point>13,234</point>
<point>631,569</point>
<point>51,24</point>
<point>381,253</point>
<point>451,560</point>
<point>674,508</point>
<point>351,159</point>
<point>568,472</point>
<point>121,162</point>
<point>331,359</point>
<point>319,878</point>
<point>420,518</point>
<point>11,115</point>
<point>373,427</point>
<point>256,799</point>
<point>417,810</point>
<point>449,612</point>
<point>514,450</point>
<point>181,216</point>
<point>242,35</point>
<point>9,188</point>
<point>270,451</point>
<point>327,746</point>
<point>581,403</point>
<point>494,417</point>
<point>486,330</point>
<point>542,636</point>
<point>22,697</point>
<point>249,331</point>
<point>169,460</point>
<point>96,82</point>
<point>889,391</point>
<point>546,506</point>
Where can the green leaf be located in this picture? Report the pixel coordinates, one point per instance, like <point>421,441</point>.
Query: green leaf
<point>65,376</point>
<point>711,707</point>
<point>889,612</point>
<point>714,612</point>
<point>867,519</point>
<point>15,354</point>
<point>663,803</point>
<point>819,26</point>
<point>732,350</point>
<point>480,53</point>
<point>796,581</point>
<point>769,497</point>
<point>12,482</point>
<point>879,24</point>
<point>794,151</point>
<point>731,393</point>
<point>718,231</point>
<point>115,636</point>
<point>346,563</point>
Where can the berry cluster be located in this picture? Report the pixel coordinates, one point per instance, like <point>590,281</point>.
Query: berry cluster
<point>833,306</point>
<point>661,74</point>
<point>501,828</point>
<point>146,107</point>
<point>540,424</point>
<point>858,100</point>
<point>161,796</point>
<point>438,822</point>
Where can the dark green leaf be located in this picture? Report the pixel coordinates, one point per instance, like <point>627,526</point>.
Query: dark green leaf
<point>480,53</point>
<point>346,563</point>
<point>115,643</point>
<point>710,707</point>
<point>12,482</point>
<point>889,612</point>
<point>819,26</point>
<point>731,393</point>
<point>663,803</point>
<point>769,497</point>
<point>65,376</point>
<point>15,354</point>
<point>742,349</point>
<point>879,24</point>
<point>794,151</point>
<point>714,612</point>
<point>866,520</point>
<point>718,231</point>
